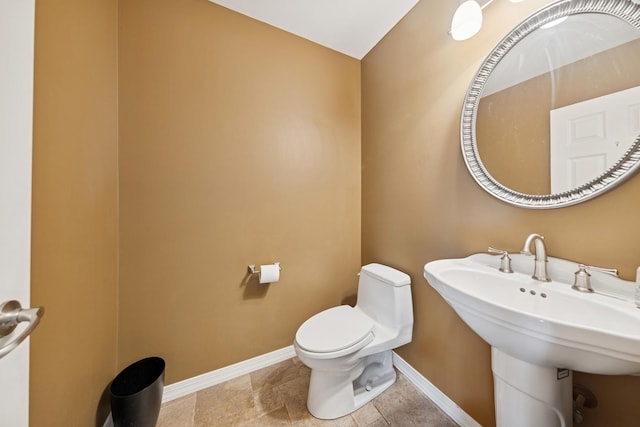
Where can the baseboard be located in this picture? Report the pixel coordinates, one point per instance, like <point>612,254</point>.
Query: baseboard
<point>209,379</point>
<point>447,405</point>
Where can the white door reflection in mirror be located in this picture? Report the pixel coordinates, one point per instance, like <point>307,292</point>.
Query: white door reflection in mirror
<point>589,137</point>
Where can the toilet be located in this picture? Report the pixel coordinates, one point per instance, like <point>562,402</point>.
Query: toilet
<point>349,348</point>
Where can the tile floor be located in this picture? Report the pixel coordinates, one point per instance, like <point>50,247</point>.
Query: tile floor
<point>277,395</point>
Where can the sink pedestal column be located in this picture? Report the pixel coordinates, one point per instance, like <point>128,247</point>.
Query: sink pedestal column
<point>528,395</point>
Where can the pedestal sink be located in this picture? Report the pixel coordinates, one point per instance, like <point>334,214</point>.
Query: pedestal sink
<point>540,331</point>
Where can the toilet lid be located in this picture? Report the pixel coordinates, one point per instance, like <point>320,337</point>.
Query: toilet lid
<point>334,329</point>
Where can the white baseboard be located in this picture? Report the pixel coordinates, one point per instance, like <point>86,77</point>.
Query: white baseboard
<point>209,379</point>
<point>447,405</point>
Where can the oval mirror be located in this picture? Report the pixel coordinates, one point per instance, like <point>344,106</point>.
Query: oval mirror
<point>552,117</point>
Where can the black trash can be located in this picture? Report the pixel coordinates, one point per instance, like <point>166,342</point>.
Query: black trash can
<point>136,393</point>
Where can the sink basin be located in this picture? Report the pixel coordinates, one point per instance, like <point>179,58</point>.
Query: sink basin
<point>545,324</point>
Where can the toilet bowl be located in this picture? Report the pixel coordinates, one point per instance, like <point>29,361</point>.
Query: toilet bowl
<point>349,348</point>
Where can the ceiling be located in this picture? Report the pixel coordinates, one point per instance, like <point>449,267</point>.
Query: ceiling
<point>352,27</point>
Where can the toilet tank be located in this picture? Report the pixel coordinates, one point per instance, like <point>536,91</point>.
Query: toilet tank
<point>384,294</point>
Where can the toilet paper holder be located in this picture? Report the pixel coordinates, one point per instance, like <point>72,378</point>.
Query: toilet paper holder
<point>252,268</point>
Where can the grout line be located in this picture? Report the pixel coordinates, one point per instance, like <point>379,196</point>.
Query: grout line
<point>381,414</point>
<point>193,410</point>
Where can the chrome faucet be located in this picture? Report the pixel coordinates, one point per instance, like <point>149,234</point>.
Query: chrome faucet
<point>540,266</point>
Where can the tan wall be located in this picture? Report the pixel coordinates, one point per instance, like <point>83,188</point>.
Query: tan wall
<point>239,144</point>
<point>420,202</point>
<point>74,236</point>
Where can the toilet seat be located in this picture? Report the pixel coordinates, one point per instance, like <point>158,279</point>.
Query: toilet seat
<point>338,330</point>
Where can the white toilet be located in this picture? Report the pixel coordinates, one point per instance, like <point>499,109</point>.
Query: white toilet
<point>349,348</point>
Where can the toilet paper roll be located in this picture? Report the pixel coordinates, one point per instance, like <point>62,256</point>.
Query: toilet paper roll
<point>269,273</point>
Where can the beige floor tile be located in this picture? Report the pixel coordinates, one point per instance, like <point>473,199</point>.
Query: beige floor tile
<point>177,413</point>
<point>225,404</point>
<point>277,418</point>
<point>294,395</point>
<point>277,374</point>
<point>403,405</point>
<point>310,421</point>
<point>267,399</point>
<point>369,416</point>
<point>269,383</point>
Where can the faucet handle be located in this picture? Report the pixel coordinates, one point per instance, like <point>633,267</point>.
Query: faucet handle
<point>505,260</point>
<point>495,251</point>
<point>582,280</point>
<point>612,271</point>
